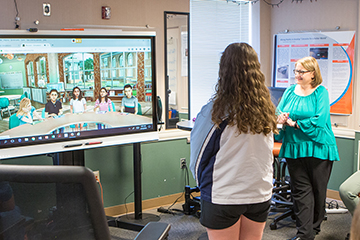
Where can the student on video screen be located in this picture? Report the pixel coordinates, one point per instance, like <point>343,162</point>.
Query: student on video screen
<point>26,112</point>
<point>129,103</point>
<point>53,107</point>
<point>103,103</point>
<point>77,105</point>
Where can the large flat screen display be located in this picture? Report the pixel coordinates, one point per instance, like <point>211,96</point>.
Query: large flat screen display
<point>65,90</point>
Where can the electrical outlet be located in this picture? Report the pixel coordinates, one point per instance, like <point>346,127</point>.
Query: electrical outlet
<point>182,163</point>
<point>97,175</point>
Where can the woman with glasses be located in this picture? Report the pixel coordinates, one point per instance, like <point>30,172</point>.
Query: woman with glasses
<point>308,144</point>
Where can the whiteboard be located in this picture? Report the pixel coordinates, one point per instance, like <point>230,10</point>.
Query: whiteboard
<point>11,80</point>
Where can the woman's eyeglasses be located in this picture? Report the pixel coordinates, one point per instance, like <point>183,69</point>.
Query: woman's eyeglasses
<point>300,72</point>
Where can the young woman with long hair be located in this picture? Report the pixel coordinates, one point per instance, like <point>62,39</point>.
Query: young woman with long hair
<point>231,149</point>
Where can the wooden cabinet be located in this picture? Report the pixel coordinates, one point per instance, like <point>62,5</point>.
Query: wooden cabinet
<point>116,94</point>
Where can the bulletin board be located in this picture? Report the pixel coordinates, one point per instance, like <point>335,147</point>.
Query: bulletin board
<point>334,52</point>
<point>11,80</point>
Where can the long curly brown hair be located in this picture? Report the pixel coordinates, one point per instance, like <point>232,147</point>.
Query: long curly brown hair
<point>241,95</point>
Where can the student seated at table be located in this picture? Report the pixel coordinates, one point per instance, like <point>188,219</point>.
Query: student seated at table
<point>129,103</point>
<point>53,107</point>
<point>77,105</point>
<point>103,103</point>
<point>26,112</point>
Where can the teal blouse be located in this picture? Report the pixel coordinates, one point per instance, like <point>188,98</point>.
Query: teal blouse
<point>315,137</point>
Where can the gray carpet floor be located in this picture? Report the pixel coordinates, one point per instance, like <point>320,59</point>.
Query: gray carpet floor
<point>188,227</point>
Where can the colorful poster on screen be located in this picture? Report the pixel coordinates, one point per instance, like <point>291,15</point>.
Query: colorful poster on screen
<point>334,52</point>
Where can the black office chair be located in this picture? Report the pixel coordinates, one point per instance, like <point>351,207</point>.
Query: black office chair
<point>159,110</point>
<point>63,202</point>
<point>281,200</point>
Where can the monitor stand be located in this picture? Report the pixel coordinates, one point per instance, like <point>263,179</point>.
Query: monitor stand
<point>135,221</point>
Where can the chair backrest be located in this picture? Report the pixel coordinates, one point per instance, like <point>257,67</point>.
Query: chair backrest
<point>23,96</point>
<point>276,148</point>
<point>13,121</point>
<point>63,201</point>
<point>4,102</point>
<point>113,107</point>
<point>139,109</point>
<point>159,109</point>
<point>159,112</point>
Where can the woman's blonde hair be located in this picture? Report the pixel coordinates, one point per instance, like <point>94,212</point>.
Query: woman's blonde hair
<point>310,64</point>
<point>23,103</point>
<point>241,95</point>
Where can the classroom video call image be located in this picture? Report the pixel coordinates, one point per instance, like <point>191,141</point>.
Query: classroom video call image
<point>55,94</point>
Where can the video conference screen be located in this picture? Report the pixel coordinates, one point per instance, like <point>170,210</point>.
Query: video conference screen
<point>64,87</point>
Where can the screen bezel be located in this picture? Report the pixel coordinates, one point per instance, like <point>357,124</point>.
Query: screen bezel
<point>104,138</point>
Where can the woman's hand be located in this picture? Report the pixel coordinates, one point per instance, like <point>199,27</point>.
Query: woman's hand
<point>27,118</point>
<point>290,122</point>
<point>282,118</point>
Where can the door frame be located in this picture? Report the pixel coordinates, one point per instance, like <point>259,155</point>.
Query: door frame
<point>166,68</point>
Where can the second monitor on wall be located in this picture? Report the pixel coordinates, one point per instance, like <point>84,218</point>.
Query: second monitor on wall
<point>276,94</point>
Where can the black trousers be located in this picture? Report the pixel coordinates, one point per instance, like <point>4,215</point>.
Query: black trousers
<point>309,178</point>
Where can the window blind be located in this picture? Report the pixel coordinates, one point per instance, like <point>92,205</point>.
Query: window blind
<point>213,26</point>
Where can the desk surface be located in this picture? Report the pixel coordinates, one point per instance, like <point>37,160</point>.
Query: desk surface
<point>185,125</point>
<point>189,124</point>
<point>112,119</point>
<point>11,97</point>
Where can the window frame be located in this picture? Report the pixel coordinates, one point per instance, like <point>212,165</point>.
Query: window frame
<point>80,72</point>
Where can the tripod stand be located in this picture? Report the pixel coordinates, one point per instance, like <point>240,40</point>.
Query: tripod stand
<point>192,204</point>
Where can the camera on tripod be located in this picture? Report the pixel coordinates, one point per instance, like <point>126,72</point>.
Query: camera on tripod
<point>192,204</point>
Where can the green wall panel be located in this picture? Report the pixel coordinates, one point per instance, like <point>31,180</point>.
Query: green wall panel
<point>161,173</point>
<point>344,168</point>
<point>161,168</point>
<point>115,165</point>
<point>33,160</point>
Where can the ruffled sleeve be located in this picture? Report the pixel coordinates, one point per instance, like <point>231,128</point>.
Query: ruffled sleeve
<point>314,127</point>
